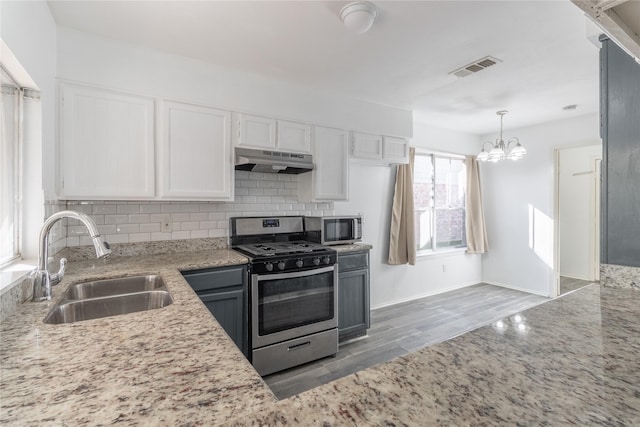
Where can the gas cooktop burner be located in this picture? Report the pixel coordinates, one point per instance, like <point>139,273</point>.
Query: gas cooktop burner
<point>281,248</point>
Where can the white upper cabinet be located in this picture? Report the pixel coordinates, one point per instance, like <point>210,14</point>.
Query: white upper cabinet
<point>366,146</point>
<point>263,132</point>
<point>377,148</point>
<point>329,179</point>
<point>256,132</point>
<point>106,144</point>
<point>196,153</point>
<point>294,137</point>
<point>395,150</point>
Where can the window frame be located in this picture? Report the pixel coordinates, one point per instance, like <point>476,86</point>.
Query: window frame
<point>17,167</point>
<point>434,250</point>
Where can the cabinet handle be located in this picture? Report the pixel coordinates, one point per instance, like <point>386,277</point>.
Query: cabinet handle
<point>298,346</point>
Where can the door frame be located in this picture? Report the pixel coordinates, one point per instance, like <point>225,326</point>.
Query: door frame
<point>554,288</point>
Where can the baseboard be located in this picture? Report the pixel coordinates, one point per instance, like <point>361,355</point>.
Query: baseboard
<point>516,288</point>
<point>578,278</point>
<point>428,294</point>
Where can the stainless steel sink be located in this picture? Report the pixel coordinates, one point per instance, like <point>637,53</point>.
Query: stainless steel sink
<point>110,287</point>
<point>103,298</point>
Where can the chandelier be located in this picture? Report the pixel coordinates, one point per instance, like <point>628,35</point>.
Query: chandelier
<point>511,150</point>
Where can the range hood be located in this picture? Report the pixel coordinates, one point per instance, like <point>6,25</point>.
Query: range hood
<point>255,160</point>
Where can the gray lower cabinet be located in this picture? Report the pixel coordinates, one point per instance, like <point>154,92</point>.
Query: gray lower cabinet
<point>353,294</point>
<point>224,292</point>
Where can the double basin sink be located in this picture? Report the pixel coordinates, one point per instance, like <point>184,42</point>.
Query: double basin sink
<point>110,297</point>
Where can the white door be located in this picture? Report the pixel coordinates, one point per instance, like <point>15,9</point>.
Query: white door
<point>395,150</point>
<point>366,146</point>
<point>578,215</point>
<point>256,132</point>
<point>294,137</point>
<point>331,158</point>
<point>196,153</point>
<point>106,144</point>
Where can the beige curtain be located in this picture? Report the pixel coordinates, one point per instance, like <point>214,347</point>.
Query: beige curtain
<point>402,240</point>
<point>476,230</point>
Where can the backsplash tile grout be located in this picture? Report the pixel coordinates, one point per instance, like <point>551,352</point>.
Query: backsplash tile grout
<point>256,194</point>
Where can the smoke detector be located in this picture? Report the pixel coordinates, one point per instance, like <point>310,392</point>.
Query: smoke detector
<point>475,66</point>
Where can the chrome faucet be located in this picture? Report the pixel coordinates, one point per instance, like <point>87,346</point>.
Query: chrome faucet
<point>42,279</point>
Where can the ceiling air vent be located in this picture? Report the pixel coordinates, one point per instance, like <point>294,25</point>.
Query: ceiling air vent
<point>475,66</point>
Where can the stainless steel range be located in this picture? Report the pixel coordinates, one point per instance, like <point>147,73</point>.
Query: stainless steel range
<point>293,292</point>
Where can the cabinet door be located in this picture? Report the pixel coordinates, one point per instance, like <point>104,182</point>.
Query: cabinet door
<point>353,261</point>
<point>396,150</point>
<point>106,144</point>
<point>294,137</point>
<point>256,132</point>
<point>366,146</point>
<point>205,281</point>
<point>196,153</point>
<point>228,309</point>
<point>353,303</point>
<point>329,179</point>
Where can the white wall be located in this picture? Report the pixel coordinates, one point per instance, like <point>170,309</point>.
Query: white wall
<point>29,31</point>
<point>371,193</point>
<point>113,64</point>
<point>519,205</point>
<point>577,212</point>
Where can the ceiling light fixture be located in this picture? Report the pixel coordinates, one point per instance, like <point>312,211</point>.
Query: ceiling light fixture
<point>512,150</point>
<point>358,17</point>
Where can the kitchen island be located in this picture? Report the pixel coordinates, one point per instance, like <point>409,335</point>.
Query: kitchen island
<point>573,360</point>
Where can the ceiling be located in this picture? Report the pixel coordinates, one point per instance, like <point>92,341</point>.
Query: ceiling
<point>403,61</point>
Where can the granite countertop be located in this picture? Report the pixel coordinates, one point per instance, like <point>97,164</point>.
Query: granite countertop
<point>170,366</point>
<point>573,361</point>
<point>352,248</point>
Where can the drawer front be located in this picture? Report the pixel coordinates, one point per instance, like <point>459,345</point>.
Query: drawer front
<point>276,357</point>
<point>353,261</point>
<point>203,280</point>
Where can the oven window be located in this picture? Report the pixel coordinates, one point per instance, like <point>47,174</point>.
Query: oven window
<point>291,302</point>
<point>338,229</point>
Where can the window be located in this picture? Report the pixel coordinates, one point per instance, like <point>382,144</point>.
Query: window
<point>9,169</point>
<point>439,184</point>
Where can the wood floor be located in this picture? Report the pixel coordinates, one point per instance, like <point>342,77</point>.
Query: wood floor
<point>403,328</point>
<point>567,284</point>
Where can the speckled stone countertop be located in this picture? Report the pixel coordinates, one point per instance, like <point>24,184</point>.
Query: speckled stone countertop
<point>352,248</point>
<point>574,361</point>
<point>170,366</point>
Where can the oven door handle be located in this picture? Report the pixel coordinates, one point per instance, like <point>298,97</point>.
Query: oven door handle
<point>293,275</point>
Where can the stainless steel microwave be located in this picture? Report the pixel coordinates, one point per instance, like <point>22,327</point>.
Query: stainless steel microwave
<point>333,230</point>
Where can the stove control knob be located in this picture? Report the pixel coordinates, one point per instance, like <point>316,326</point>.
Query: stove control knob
<point>268,266</point>
<point>316,261</point>
<point>281,265</point>
<point>299,263</point>
<point>326,260</point>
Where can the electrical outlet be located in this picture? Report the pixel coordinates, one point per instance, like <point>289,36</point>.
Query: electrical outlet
<point>165,224</point>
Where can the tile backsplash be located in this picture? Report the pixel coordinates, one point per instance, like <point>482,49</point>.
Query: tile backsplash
<point>256,194</point>
<point>58,234</point>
